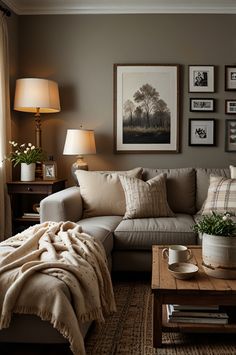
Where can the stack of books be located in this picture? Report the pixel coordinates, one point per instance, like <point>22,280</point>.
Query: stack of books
<point>30,215</point>
<point>196,314</point>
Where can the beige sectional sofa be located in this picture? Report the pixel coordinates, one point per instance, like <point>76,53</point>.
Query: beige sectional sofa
<point>128,242</point>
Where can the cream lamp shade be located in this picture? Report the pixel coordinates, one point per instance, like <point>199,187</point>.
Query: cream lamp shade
<point>79,142</point>
<point>37,96</point>
<point>32,94</point>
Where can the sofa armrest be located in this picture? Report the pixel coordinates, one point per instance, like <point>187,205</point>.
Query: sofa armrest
<point>65,205</point>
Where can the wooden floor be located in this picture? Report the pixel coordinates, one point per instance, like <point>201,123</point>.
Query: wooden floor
<point>34,349</point>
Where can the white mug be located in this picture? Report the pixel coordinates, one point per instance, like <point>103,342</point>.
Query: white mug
<point>177,254</point>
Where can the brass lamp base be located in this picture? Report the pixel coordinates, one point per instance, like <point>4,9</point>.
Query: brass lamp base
<point>80,164</point>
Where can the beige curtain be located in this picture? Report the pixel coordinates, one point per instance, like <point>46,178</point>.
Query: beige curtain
<point>5,131</point>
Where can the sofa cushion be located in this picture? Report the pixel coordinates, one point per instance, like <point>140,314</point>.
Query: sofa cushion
<point>102,192</point>
<point>180,186</point>
<point>102,229</point>
<point>145,199</point>
<point>221,196</point>
<point>203,180</point>
<point>141,234</point>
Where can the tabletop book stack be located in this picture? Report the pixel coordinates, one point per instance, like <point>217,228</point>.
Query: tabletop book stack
<point>196,314</point>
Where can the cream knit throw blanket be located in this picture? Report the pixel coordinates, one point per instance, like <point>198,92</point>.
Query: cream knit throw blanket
<point>58,273</point>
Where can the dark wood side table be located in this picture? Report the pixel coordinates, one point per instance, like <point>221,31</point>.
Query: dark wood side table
<point>25,195</point>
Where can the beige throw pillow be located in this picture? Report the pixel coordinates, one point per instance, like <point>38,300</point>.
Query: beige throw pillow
<point>232,171</point>
<point>221,196</point>
<point>102,192</point>
<point>146,199</point>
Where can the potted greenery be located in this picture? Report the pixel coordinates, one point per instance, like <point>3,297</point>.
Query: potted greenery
<point>218,245</point>
<point>27,155</point>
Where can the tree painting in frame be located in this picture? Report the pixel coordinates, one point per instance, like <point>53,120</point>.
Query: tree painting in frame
<point>146,116</point>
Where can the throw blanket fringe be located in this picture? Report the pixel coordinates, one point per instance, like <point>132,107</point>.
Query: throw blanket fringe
<point>57,272</point>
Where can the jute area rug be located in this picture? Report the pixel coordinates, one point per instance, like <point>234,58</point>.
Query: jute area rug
<point>129,331</point>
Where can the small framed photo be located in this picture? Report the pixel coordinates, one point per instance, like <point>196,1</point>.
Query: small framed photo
<point>230,135</point>
<point>201,132</point>
<point>49,170</point>
<point>200,105</point>
<point>230,78</point>
<point>201,78</point>
<point>230,107</point>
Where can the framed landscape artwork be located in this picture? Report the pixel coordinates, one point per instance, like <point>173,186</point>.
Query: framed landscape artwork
<point>200,105</point>
<point>230,78</point>
<point>146,109</point>
<point>201,132</point>
<point>201,78</point>
<point>230,135</point>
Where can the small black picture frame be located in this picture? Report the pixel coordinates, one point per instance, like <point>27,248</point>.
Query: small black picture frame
<point>230,78</point>
<point>201,105</point>
<point>230,135</point>
<point>201,132</point>
<point>230,107</point>
<point>201,78</point>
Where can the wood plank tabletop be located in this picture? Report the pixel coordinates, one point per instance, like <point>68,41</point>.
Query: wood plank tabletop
<point>162,278</point>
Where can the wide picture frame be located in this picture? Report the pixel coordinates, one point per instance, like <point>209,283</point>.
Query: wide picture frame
<point>146,108</point>
<point>202,132</point>
<point>201,105</point>
<point>201,78</point>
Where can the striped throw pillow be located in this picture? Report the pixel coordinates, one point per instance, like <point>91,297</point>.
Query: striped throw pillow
<point>145,199</point>
<point>221,196</point>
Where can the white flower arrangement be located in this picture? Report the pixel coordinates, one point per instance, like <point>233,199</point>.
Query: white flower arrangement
<point>25,153</point>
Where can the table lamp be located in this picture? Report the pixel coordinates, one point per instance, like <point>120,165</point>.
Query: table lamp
<point>79,142</point>
<point>37,96</point>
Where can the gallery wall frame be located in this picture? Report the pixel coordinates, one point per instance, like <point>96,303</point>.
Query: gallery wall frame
<point>201,105</point>
<point>202,132</point>
<point>146,108</point>
<point>230,107</point>
<point>201,78</point>
<point>230,135</point>
<point>230,77</point>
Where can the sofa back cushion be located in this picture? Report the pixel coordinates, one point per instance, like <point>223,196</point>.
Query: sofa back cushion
<point>102,193</point>
<point>203,181</point>
<point>180,186</point>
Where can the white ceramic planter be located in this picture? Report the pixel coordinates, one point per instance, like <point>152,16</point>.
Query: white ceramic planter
<point>219,256</point>
<point>27,172</point>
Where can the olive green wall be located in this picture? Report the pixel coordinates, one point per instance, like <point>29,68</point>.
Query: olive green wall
<point>78,51</point>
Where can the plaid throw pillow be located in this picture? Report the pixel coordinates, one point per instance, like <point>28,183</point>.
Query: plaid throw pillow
<point>221,196</point>
<point>145,199</point>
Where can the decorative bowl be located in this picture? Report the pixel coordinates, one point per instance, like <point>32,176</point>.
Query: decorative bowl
<point>183,271</point>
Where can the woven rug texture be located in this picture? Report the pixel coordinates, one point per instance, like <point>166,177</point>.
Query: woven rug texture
<point>129,331</point>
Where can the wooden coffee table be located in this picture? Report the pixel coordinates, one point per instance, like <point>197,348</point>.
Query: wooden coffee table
<point>200,290</point>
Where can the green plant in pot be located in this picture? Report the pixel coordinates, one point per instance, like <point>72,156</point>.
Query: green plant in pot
<point>218,245</point>
<point>27,155</point>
